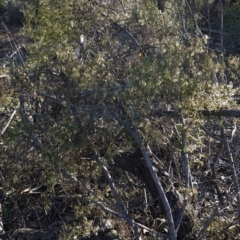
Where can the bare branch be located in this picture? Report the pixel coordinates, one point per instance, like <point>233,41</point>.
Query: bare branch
<point>134,134</point>
<point>8,123</point>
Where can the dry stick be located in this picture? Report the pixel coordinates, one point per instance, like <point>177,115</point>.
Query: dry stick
<point>115,194</point>
<point>176,162</point>
<point>134,134</point>
<point>146,200</point>
<point>9,121</point>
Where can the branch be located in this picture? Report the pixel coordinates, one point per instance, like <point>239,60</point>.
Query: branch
<point>9,121</point>
<point>193,18</point>
<point>134,134</point>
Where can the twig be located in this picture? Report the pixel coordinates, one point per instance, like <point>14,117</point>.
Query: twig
<point>9,121</point>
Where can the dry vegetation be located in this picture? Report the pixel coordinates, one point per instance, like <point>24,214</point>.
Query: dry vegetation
<point>134,135</point>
